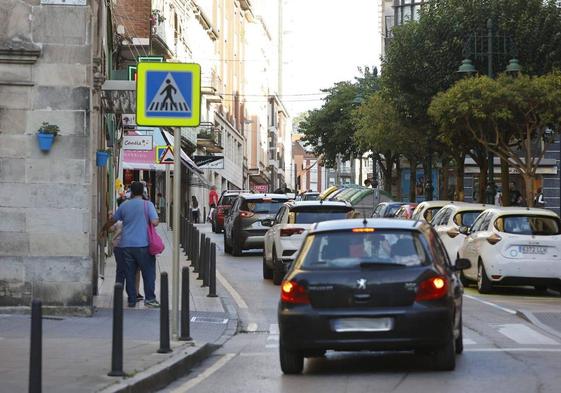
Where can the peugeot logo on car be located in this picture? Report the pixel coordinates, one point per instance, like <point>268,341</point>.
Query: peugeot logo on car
<point>361,283</point>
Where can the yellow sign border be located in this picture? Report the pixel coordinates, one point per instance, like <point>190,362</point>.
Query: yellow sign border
<point>141,90</point>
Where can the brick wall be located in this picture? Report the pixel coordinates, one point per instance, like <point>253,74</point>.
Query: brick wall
<point>134,15</point>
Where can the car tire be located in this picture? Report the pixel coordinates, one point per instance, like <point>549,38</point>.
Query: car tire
<point>445,357</point>
<point>460,340</point>
<point>464,280</point>
<point>540,288</point>
<point>484,285</point>
<point>291,362</point>
<point>227,247</point>
<point>236,247</point>
<point>278,274</point>
<point>267,271</point>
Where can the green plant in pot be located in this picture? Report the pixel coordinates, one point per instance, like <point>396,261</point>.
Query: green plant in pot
<point>46,135</point>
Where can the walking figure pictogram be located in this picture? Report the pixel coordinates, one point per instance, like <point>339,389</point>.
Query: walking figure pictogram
<point>168,98</point>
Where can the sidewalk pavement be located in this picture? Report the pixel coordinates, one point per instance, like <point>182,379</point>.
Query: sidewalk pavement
<point>77,350</point>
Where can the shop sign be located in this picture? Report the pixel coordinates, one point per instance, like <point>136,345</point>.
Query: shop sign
<point>137,142</point>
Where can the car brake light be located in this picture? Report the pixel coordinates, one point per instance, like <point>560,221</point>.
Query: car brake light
<point>494,239</point>
<point>246,214</point>
<point>363,230</point>
<point>291,231</point>
<point>432,289</point>
<point>294,293</point>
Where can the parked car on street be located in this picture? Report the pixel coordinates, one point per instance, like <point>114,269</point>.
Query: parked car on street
<point>226,199</point>
<point>448,221</point>
<point>308,196</point>
<point>243,223</point>
<point>405,212</point>
<point>426,210</point>
<point>289,228</point>
<point>371,284</point>
<point>386,209</point>
<point>513,246</point>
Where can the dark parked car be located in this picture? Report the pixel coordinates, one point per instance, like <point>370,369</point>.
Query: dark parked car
<point>386,209</point>
<point>243,226</point>
<point>225,202</point>
<point>376,284</point>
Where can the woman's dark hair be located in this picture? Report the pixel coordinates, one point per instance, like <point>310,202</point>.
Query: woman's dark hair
<point>137,188</point>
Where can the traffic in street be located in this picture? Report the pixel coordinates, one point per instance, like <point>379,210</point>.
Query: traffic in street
<point>499,340</point>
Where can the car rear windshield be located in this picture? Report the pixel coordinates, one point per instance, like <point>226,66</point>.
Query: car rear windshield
<point>227,199</point>
<point>466,218</point>
<point>528,225</point>
<point>431,212</point>
<point>347,249</point>
<point>316,214</point>
<point>264,206</point>
<point>392,209</point>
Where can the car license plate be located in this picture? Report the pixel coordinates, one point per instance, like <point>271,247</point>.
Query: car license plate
<point>533,250</point>
<point>362,324</point>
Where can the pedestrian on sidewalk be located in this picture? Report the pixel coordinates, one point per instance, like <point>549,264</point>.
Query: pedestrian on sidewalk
<point>194,209</point>
<point>539,201</point>
<point>136,215</point>
<point>161,207</point>
<point>212,201</point>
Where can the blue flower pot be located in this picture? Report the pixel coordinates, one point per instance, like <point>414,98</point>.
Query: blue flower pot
<point>45,141</point>
<point>101,158</point>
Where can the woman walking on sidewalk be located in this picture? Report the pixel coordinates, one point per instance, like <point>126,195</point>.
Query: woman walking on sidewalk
<point>136,215</point>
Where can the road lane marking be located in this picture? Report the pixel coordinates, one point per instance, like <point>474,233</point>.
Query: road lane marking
<point>251,327</point>
<point>522,334</point>
<point>512,350</point>
<point>272,346</point>
<point>273,336</point>
<point>205,374</point>
<point>508,310</point>
<point>250,354</point>
<point>469,341</point>
<point>274,328</point>
<point>235,295</point>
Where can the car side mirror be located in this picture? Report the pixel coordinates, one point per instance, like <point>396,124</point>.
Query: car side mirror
<point>267,222</point>
<point>465,230</point>
<point>462,264</point>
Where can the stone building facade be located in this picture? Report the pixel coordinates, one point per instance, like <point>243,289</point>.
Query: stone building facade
<point>47,200</point>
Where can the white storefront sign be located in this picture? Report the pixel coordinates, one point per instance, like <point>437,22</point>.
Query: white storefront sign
<point>137,142</point>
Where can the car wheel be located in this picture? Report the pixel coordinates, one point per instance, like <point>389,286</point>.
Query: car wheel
<point>267,271</point>
<point>464,280</point>
<point>445,357</point>
<point>460,340</point>
<point>540,288</point>
<point>483,283</point>
<point>227,248</point>
<point>291,362</point>
<point>236,247</point>
<point>278,273</point>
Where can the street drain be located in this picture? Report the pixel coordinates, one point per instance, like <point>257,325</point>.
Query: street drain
<point>218,321</point>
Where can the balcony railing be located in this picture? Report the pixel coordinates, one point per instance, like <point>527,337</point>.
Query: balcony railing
<point>209,138</point>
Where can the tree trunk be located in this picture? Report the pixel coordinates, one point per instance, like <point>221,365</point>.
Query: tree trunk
<point>413,181</point>
<point>529,189</point>
<point>387,172</point>
<point>444,176</point>
<point>460,168</point>
<point>398,184</point>
<point>505,182</point>
<point>483,167</point>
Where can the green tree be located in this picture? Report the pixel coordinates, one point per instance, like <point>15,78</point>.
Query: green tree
<point>515,118</point>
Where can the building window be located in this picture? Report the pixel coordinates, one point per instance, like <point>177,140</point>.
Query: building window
<point>407,10</point>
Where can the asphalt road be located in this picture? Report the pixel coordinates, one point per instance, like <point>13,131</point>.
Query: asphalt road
<point>503,352</point>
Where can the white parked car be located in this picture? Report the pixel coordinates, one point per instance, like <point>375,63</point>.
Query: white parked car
<point>289,228</point>
<point>514,246</point>
<point>448,221</point>
<point>425,211</point>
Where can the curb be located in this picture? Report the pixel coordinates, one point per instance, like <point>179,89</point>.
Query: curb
<point>177,366</point>
<point>529,317</point>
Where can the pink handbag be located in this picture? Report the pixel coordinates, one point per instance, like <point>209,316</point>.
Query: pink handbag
<point>155,244</point>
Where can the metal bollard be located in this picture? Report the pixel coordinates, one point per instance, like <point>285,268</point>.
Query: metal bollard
<point>212,272</point>
<point>164,314</point>
<point>36,347</point>
<point>206,266</point>
<point>196,251</point>
<point>117,340</point>
<point>202,257</point>
<point>185,328</point>
<point>188,239</point>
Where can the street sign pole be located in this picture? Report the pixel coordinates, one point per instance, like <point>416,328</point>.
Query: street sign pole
<point>176,228</point>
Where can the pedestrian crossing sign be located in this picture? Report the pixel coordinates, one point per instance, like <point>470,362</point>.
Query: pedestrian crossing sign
<point>168,94</point>
<point>164,155</point>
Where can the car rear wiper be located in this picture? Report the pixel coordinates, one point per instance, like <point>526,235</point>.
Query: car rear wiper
<point>381,264</point>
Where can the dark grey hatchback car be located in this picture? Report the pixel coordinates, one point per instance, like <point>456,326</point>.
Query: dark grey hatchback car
<point>375,284</point>
<point>243,227</point>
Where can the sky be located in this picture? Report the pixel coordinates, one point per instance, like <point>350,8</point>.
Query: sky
<point>324,42</point>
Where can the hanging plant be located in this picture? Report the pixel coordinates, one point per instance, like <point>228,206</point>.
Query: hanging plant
<point>46,135</point>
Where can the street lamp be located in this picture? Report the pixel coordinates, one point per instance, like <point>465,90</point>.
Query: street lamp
<point>487,46</point>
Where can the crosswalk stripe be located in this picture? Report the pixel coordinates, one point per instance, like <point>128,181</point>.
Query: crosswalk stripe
<point>469,341</point>
<point>274,328</point>
<point>523,334</point>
